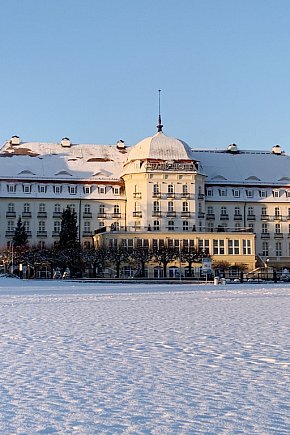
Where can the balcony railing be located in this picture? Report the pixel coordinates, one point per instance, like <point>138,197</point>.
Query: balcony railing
<point>171,214</point>
<point>278,235</point>
<point>87,215</point>
<point>185,195</point>
<point>185,214</point>
<point>156,213</point>
<point>57,214</point>
<point>87,233</point>
<point>238,217</point>
<point>137,195</point>
<point>201,196</point>
<point>102,215</point>
<point>210,216</point>
<point>224,217</point>
<point>9,233</point>
<point>200,214</point>
<point>170,195</point>
<point>26,214</point>
<point>265,235</point>
<point>42,214</point>
<point>265,217</point>
<point>41,233</point>
<point>251,217</point>
<point>55,234</point>
<point>156,195</point>
<point>116,215</point>
<point>137,214</point>
<point>11,214</point>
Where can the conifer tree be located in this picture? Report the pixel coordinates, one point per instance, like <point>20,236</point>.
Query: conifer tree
<point>20,237</point>
<point>68,236</point>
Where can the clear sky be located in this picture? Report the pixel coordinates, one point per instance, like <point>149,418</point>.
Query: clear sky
<point>91,70</point>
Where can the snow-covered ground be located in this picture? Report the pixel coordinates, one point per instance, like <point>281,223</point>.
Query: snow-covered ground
<point>138,359</point>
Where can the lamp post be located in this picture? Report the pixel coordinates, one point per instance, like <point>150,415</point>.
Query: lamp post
<point>12,257</point>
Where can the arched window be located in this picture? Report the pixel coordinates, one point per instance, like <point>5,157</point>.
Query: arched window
<point>156,189</point>
<point>170,188</point>
<point>116,209</point>
<point>156,206</point>
<point>185,206</point>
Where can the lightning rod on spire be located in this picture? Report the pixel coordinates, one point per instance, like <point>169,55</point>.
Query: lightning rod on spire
<point>159,126</point>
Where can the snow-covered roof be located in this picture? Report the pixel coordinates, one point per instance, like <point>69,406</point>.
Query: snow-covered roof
<point>160,147</point>
<point>52,161</point>
<point>247,167</point>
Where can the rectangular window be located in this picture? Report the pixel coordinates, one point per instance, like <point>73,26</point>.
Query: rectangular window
<point>278,249</point>
<point>42,188</point>
<point>263,193</point>
<point>87,189</point>
<point>247,250</point>
<point>204,245</point>
<point>11,188</point>
<point>26,188</point>
<point>209,192</point>
<point>236,193</point>
<point>275,193</point>
<point>218,247</point>
<point>265,249</point>
<point>72,190</point>
<point>57,189</point>
<point>222,192</point>
<point>249,193</point>
<point>41,226</point>
<point>116,190</point>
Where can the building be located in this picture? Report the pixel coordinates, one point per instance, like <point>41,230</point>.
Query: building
<point>232,203</point>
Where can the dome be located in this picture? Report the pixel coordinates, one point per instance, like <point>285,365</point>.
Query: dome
<point>160,147</point>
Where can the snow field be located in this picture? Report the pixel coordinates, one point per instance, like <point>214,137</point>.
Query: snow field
<point>88,359</point>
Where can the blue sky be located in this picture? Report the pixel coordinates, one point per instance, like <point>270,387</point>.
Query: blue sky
<point>91,70</point>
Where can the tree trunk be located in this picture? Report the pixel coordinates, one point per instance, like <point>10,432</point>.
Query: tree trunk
<point>118,269</point>
<point>165,269</point>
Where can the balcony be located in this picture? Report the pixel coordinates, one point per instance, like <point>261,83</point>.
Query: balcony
<point>265,235</point>
<point>55,234</point>
<point>238,217</point>
<point>102,215</point>
<point>185,214</point>
<point>137,214</point>
<point>41,234</point>
<point>171,214</point>
<point>200,215</point>
<point>185,195</point>
<point>57,214</point>
<point>116,215</point>
<point>288,217</point>
<point>9,233</point>
<point>87,233</point>
<point>251,217</point>
<point>26,214</point>
<point>200,196</point>
<point>210,216</point>
<point>156,213</point>
<point>265,217</point>
<point>156,195</point>
<point>42,214</point>
<point>11,214</point>
<point>170,195</point>
<point>277,217</point>
<point>278,235</point>
<point>137,195</point>
<point>224,217</point>
<point>87,215</point>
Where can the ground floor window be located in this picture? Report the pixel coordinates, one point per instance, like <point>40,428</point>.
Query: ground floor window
<point>158,272</point>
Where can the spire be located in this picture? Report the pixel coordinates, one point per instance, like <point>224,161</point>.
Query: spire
<point>159,126</point>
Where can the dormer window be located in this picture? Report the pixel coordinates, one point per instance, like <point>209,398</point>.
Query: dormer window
<point>116,190</point>
<point>26,188</point>
<point>276,193</point>
<point>11,188</point>
<point>236,193</point>
<point>249,193</point>
<point>87,189</point>
<point>42,188</point>
<point>57,189</point>
<point>72,190</point>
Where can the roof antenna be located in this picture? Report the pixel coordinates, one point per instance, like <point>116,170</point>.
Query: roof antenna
<point>159,126</point>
